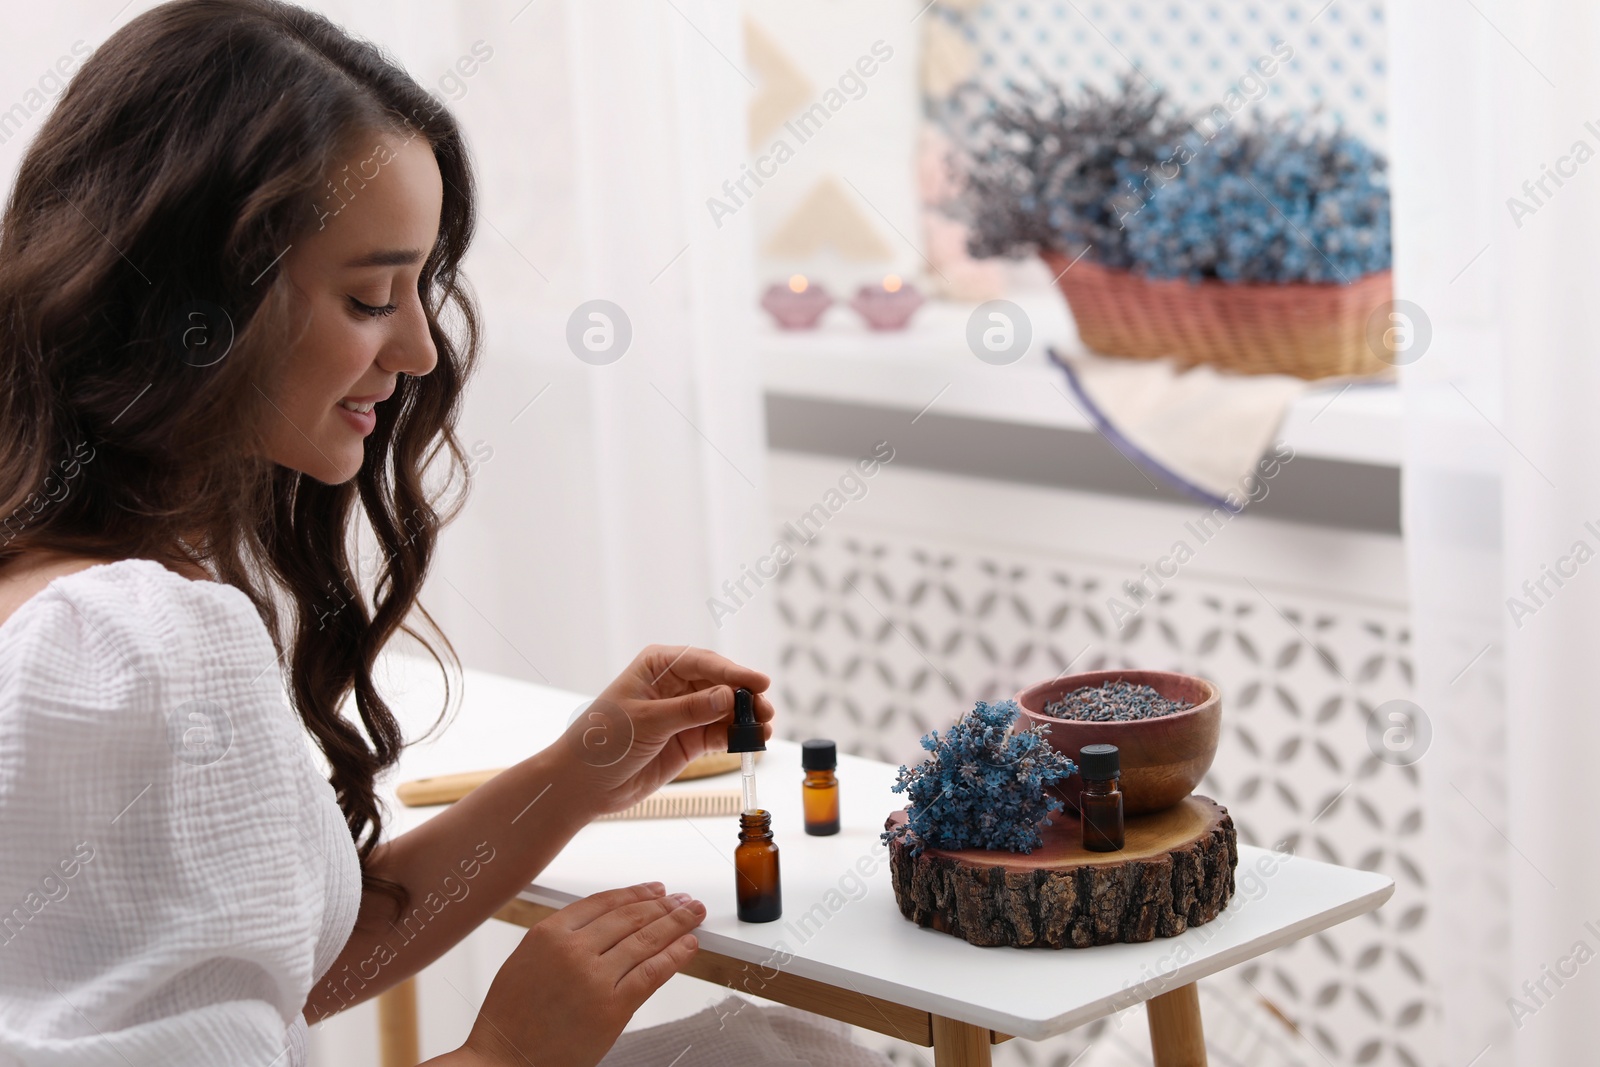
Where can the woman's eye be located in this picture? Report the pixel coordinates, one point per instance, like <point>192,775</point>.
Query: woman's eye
<point>371,311</point>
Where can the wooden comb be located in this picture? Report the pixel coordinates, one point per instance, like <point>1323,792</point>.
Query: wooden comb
<point>449,788</point>
<point>442,788</point>
<point>684,804</point>
<point>688,803</point>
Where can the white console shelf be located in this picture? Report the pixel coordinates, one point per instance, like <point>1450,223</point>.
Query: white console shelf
<point>929,368</point>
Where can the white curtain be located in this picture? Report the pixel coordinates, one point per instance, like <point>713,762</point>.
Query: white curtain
<point>615,497</point>
<point>1497,490</point>
<point>612,500</point>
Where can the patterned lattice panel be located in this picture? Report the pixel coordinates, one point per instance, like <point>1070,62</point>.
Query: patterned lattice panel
<point>1197,52</point>
<point>886,635</point>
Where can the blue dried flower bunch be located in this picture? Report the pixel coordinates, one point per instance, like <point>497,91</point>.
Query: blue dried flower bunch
<point>1267,204</point>
<point>982,787</point>
<point>1124,179</point>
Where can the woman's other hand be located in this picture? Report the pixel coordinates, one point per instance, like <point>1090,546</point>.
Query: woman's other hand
<point>565,993</point>
<point>671,704</point>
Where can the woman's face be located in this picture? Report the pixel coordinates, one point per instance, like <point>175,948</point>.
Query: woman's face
<point>361,320</point>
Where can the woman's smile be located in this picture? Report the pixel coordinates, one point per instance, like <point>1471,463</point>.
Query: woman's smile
<point>358,410</point>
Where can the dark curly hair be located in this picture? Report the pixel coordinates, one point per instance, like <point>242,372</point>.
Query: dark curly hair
<point>181,162</point>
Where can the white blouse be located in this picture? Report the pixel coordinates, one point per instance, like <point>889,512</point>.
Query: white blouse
<point>175,874</point>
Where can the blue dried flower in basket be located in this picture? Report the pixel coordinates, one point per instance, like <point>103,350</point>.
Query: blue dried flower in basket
<point>1277,203</point>
<point>982,787</point>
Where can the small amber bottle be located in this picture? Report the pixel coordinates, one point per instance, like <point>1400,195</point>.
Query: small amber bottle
<point>756,862</point>
<point>821,790</point>
<point>1101,802</point>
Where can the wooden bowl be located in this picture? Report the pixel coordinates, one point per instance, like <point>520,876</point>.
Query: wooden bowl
<point>1163,759</point>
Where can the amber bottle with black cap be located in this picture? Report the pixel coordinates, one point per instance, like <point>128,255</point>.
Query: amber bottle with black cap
<point>755,860</point>
<point>1100,805</point>
<point>820,793</point>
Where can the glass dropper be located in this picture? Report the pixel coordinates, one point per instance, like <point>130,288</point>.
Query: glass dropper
<point>745,737</point>
<point>747,778</point>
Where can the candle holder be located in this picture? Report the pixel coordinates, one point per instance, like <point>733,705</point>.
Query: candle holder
<point>798,305</point>
<point>889,305</point>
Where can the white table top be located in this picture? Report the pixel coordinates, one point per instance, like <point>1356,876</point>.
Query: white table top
<point>841,928</point>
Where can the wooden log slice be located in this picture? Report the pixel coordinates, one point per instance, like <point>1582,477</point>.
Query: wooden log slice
<point>1174,871</point>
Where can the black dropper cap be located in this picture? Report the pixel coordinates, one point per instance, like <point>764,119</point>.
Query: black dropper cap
<point>1099,762</point>
<point>745,733</point>
<point>818,754</point>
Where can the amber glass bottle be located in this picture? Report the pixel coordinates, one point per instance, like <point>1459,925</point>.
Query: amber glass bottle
<point>1101,802</point>
<point>755,862</point>
<point>821,790</point>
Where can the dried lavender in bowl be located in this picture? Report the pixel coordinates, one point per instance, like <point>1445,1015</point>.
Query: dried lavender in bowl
<point>1113,702</point>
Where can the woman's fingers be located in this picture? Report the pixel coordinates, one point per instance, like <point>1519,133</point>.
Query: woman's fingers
<point>650,974</point>
<point>700,708</point>
<point>560,998</point>
<point>764,710</point>
<point>698,667</point>
<point>606,931</point>
<point>698,741</point>
<point>708,713</point>
<point>581,913</point>
<point>649,938</point>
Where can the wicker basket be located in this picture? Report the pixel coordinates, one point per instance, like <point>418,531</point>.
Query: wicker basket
<point>1307,330</point>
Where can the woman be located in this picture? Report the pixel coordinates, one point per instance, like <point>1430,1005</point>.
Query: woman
<point>229,271</point>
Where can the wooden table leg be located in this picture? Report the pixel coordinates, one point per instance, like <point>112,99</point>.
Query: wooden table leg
<point>1176,1038</point>
<point>398,1043</point>
<point>959,1044</point>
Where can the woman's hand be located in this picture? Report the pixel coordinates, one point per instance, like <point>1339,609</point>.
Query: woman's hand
<point>565,993</point>
<point>671,704</point>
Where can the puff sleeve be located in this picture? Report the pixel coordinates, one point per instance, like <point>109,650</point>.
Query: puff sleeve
<point>176,873</point>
